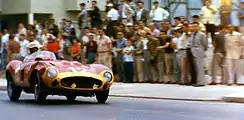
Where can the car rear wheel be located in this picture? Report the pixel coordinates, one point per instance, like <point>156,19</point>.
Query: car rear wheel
<point>102,96</point>
<point>71,98</point>
<point>39,95</point>
<point>14,92</point>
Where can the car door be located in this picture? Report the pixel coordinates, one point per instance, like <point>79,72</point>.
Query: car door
<point>18,74</point>
<point>22,74</point>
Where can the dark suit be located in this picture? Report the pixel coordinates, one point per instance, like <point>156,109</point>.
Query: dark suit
<point>198,46</point>
<point>144,16</point>
<point>95,15</point>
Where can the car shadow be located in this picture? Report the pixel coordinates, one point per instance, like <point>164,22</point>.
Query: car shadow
<point>55,102</point>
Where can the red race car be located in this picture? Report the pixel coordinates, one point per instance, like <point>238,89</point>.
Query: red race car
<point>42,75</point>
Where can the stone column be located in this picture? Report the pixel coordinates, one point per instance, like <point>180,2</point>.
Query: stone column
<point>30,18</point>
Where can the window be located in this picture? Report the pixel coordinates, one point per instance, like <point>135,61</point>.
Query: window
<point>195,3</point>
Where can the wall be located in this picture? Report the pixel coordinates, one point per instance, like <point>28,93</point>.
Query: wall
<point>14,20</point>
<point>16,6</point>
<point>1,5</point>
<point>54,7</point>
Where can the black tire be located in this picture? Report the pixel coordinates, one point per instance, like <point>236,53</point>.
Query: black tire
<point>39,95</point>
<point>102,96</point>
<point>71,98</point>
<point>14,92</point>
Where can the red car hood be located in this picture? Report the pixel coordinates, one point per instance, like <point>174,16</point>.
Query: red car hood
<point>73,66</point>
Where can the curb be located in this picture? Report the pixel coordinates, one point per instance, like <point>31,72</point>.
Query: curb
<point>165,98</point>
<point>3,88</point>
<point>233,99</point>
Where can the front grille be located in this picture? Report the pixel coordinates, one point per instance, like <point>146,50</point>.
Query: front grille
<point>81,82</point>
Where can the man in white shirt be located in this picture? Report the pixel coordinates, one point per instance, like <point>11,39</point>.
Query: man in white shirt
<point>112,17</point>
<point>158,15</point>
<point>234,46</point>
<point>181,41</point>
<point>23,46</point>
<point>4,48</point>
<point>208,15</point>
<point>22,29</point>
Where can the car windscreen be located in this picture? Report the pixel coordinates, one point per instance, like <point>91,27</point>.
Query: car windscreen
<point>41,54</point>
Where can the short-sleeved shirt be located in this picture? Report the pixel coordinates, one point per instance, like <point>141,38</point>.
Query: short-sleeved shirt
<point>121,44</point>
<point>23,47</point>
<point>67,46</point>
<point>84,15</point>
<point>113,15</point>
<point>169,49</point>
<point>53,47</point>
<point>103,43</point>
<point>129,57</point>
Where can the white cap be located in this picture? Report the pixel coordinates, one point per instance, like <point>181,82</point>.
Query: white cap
<point>33,45</point>
<point>110,5</point>
<point>129,24</point>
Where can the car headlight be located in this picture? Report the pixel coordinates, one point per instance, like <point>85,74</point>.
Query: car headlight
<point>108,76</point>
<point>52,73</point>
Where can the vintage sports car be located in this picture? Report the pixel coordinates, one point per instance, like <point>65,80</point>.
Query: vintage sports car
<point>42,74</point>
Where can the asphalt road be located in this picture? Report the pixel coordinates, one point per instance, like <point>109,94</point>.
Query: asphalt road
<point>57,108</point>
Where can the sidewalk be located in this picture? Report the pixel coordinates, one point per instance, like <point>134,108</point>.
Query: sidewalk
<point>174,92</point>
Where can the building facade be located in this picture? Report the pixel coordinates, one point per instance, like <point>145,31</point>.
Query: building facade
<point>13,12</point>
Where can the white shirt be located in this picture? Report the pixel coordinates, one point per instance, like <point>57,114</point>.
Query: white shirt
<point>23,47</point>
<point>39,33</point>
<point>4,42</point>
<point>181,42</point>
<point>159,14</point>
<point>113,14</point>
<point>44,39</point>
<point>61,44</point>
<point>144,42</point>
<point>37,27</point>
<point>155,33</point>
<point>23,31</point>
<point>129,58</point>
<point>233,45</point>
<point>85,40</point>
<point>138,14</point>
<point>207,15</point>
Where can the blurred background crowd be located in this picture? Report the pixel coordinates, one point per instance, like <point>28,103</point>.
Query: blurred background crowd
<point>141,45</point>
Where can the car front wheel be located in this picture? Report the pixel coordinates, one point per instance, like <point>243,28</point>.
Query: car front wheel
<point>38,86</point>
<point>102,96</point>
<point>14,92</point>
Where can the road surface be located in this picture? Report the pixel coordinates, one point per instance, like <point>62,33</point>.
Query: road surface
<point>57,108</point>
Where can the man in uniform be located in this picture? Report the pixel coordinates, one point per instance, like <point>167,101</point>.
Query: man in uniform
<point>104,49</point>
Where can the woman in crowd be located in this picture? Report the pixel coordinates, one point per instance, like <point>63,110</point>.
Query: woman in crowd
<point>76,50</point>
<point>91,49</point>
